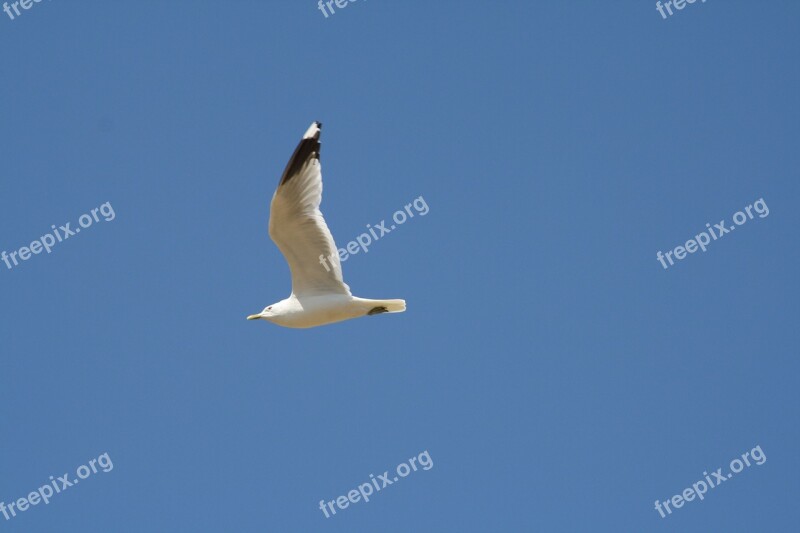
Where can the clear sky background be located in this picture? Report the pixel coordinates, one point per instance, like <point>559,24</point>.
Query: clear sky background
<point>559,378</point>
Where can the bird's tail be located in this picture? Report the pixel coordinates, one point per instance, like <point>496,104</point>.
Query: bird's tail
<point>375,307</point>
<point>393,306</point>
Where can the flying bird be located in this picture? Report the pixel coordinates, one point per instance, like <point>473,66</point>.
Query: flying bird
<point>319,294</point>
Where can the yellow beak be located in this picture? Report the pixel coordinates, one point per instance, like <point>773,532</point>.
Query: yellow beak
<point>253,317</point>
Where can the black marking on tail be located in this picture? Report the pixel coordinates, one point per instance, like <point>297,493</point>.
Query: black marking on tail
<point>306,150</point>
<point>378,310</point>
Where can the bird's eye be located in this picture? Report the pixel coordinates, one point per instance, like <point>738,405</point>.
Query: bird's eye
<point>269,308</point>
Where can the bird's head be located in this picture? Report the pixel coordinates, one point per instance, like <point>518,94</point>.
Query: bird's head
<point>266,314</point>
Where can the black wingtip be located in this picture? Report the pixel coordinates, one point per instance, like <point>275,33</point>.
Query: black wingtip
<point>307,149</point>
<point>313,131</point>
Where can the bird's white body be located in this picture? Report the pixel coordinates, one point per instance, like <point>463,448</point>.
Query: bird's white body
<point>325,309</point>
<point>319,293</point>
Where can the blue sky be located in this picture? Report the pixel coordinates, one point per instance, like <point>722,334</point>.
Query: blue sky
<point>558,376</point>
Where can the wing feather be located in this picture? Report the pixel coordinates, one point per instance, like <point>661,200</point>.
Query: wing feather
<point>297,226</point>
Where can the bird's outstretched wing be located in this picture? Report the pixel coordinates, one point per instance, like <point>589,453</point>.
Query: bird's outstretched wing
<point>297,226</point>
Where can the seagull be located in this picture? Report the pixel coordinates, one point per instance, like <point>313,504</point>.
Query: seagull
<point>319,294</point>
